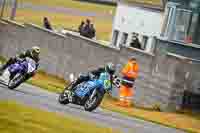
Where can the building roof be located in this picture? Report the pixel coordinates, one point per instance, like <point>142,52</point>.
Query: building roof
<point>154,4</point>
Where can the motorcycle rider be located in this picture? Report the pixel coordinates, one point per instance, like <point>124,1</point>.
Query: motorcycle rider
<point>32,53</point>
<point>110,68</point>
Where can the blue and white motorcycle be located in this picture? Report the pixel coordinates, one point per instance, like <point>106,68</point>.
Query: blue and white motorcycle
<point>17,72</point>
<point>88,94</point>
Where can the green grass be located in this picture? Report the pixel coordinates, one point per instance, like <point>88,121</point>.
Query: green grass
<point>83,6</point>
<point>16,118</point>
<point>65,20</point>
<point>186,121</point>
<point>2,59</point>
<point>103,26</point>
<point>52,83</point>
<point>58,20</point>
<point>87,6</point>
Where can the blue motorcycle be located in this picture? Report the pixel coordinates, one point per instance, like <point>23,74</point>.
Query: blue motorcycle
<point>18,71</point>
<point>88,94</point>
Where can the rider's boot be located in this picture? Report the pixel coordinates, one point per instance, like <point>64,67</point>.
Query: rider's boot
<point>70,96</point>
<point>69,92</point>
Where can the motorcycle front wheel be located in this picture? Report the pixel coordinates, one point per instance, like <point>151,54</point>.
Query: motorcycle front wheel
<point>16,81</point>
<point>63,99</point>
<point>92,103</point>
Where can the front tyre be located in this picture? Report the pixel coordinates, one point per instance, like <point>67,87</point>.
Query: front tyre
<point>16,81</point>
<point>63,98</point>
<point>92,103</point>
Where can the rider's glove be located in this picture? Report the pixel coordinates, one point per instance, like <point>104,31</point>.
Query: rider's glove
<point>114,77</point>
<point>116,81</point>
<point>92,76</point>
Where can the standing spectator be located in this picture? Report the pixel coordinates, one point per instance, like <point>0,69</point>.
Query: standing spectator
<point>86,29</point>
<point>80,28</point>
<point>130,73</point>
<point>92,31</point>
<point>46,23</point>
<point>135,42</point>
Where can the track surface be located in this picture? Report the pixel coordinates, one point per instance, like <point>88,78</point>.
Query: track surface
<point>38,98</point>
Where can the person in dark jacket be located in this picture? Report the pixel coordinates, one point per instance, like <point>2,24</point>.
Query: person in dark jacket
<point>46,23</point>
<point>32,53</point>
<point>135,43</point>
<point>80,28</point>
<point>92,31</point>
<point>86,29</point>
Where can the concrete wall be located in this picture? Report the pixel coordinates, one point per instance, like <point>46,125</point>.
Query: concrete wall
<point>62,55</point>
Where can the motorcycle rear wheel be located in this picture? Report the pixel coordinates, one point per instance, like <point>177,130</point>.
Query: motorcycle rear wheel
<point>15,81</point>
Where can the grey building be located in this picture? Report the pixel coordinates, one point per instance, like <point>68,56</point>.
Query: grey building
<point>182,21</point>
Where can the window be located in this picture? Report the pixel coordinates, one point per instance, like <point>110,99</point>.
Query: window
<point>186,26</point>
<point>135,42</point>
<point>182,23</point>
<point>124,39</point>
<point>144,41</point>
<point>115,37</point>
<point>167,21</point>
<point>194,28</point>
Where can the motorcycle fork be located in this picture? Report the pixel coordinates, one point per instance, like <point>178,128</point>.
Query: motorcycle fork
<point>93,94</point>
<point>11,76</point>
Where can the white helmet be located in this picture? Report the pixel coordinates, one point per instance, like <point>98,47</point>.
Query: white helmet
<point>35,51</point>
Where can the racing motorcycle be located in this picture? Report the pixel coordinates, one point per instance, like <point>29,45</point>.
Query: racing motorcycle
<point>17,72</point>
<point>88,94</point>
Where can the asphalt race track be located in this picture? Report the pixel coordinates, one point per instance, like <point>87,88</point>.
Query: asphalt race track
<point>38,98</point>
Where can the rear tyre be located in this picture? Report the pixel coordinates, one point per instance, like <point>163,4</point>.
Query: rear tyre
<point>15,81</point>
<point>92,104</point>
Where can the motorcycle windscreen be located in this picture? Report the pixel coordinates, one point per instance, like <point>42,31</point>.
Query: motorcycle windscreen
<point>86,88</point>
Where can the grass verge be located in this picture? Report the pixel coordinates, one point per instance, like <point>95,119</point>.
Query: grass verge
<point>76,4</point>
<point>52,83</point>
<point>59,20</point>
<point>186,121</point>
<point>16,118</point>
<point>88,6</point>
<point>2,59</point>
